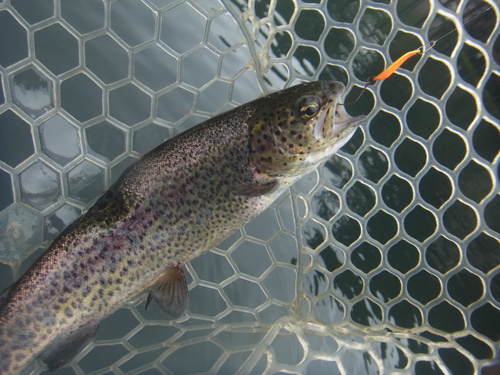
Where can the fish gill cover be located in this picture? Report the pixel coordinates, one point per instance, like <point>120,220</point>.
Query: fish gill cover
<point>386,260</point>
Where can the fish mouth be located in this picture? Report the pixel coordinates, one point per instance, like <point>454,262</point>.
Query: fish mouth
<point>337,121</point>
<point>342,119</point>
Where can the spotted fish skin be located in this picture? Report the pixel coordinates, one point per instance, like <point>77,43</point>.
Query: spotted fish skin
<point>177,202</point>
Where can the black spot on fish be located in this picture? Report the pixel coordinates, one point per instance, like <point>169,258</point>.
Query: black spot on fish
<point>86,291</point>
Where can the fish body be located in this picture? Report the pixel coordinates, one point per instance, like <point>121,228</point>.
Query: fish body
<point>177,202</point>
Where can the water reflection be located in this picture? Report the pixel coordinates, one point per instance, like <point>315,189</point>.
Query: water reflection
<point>20,231</point>
<point>86,182</point>
<point>32,91</point>
<point>58,220</point>
<point>39,185</point>
<point>325,204</point>
<point>359,362</point>
<point>375,26</point>
<point>60,139</point>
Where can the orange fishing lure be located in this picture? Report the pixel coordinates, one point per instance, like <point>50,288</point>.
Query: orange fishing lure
<point>395,65</point>
<point>392,68</point>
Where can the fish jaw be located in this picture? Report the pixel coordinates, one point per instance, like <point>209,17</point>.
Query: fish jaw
<point>338,129</point>
<point>340,121</point>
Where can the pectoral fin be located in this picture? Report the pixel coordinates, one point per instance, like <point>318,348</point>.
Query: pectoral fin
<point>170,292</point>
<point>67,347</point>
<point>256,189</point>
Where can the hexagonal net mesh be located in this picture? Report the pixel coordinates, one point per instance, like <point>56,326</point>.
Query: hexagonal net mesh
<point>385,260</point>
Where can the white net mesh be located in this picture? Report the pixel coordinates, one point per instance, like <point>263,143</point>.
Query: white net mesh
<point>386,260</point>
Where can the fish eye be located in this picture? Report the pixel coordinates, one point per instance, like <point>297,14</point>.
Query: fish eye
<point>309,109</point>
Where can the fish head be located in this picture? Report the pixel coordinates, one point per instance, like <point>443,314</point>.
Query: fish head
<point>295,130</point>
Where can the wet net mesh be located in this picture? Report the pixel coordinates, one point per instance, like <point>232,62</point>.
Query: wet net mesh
<point>385,260</point>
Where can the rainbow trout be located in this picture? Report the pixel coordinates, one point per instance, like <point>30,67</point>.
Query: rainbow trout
<point>177,202</point>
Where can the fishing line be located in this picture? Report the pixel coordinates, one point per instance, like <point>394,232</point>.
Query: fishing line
<point>396,64</point>
<point>465,23</point>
